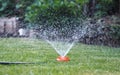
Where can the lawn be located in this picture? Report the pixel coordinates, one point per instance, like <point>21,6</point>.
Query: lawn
<point>84,59</point>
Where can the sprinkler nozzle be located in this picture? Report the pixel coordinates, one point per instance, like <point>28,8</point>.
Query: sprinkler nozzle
<point>63,59</point>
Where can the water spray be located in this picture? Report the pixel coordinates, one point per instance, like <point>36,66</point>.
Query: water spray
<point>62,47</point>
<point>62,35</point>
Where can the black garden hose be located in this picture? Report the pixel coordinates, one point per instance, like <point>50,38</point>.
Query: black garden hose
<point>8,63</point>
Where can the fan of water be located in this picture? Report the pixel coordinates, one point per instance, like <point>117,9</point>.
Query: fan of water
<point>61,40</point>
<point>63,37</point>
<point>61,47</point>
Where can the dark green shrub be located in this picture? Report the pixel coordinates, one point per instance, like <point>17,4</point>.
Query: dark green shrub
<point>7,7</point>
<point>115,31</point>
<point>103,8</point>
<point>14,7</point>
<point>21,6</point>
<point>47,9</point>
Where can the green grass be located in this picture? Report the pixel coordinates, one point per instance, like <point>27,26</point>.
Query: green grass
<point>84,59</point>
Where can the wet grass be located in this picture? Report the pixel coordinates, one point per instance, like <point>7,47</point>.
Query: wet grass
<point>84,59</point>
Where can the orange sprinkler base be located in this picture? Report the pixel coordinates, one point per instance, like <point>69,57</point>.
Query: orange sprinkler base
<point>63,59</point>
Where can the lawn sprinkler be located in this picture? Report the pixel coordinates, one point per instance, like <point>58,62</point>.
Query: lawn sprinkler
<point>62,48</point>
<point>63,59</point>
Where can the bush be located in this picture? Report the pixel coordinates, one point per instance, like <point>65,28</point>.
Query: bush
<point>103,8</point>
<point>7,7</point>
<point>54,8</point>
<point>22,5</point>
<point>115,31</point>
<point>14,7</point>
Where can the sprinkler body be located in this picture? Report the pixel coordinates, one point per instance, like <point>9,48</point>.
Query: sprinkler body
<point>63,59</point>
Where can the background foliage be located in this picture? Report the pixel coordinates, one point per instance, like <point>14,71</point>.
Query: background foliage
<point>54,8</point>
<point>14,7</point>
<point>7,7</point>
<point>30,9</point>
